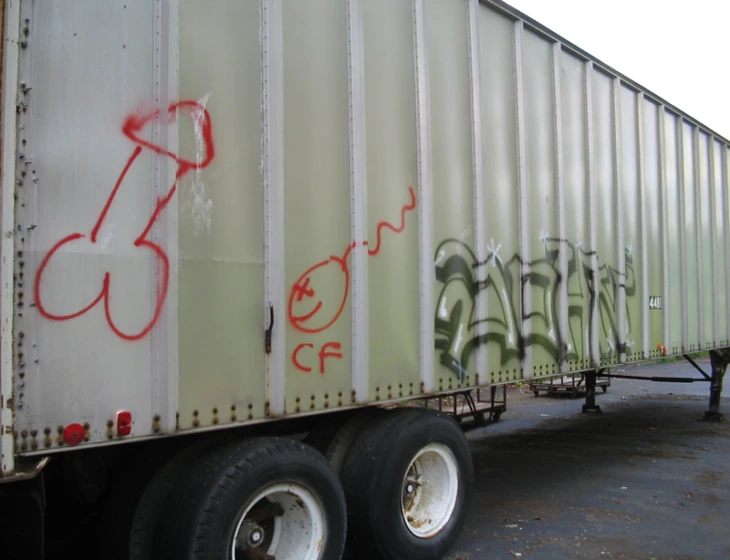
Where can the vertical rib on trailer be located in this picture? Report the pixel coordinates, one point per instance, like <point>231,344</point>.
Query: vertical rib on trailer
<point>522,191</point>
<point>9,89</point>
<point>425,198</point>
<point>273,178</point>
<point>644,234</point>
<point>358,199</point>
<point>480,234</point>
<point>563,323</point>
<point>620,242</point>
<point>593,343</point>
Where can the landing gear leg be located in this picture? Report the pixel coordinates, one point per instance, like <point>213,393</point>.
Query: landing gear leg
<point>719,360</point>
<point>590,403</point>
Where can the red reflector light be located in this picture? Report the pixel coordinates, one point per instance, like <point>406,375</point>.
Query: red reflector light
<point>124,423</point>
<point>74,434</point>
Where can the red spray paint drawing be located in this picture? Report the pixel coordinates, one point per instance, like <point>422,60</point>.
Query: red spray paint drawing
<point>132,127</point>
<point>309,313</point>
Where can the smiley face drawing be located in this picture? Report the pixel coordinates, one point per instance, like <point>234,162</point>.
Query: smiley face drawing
<point>309,310</point>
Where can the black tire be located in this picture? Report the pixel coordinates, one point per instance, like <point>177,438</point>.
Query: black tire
<point>335,442</point>
<point>150,504</point>
<point>202,512</point>
<point>373,479</point>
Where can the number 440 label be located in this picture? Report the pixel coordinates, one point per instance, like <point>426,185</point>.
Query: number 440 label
<point>655,302</point>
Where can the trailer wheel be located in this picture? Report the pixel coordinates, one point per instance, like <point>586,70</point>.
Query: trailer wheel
<point>258,499</point>
<point>335,444</point>
<point>407,479</point>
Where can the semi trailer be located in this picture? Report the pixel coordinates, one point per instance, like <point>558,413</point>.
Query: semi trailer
<point>241,237</point>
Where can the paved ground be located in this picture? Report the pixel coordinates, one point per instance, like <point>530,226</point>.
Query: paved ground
<point>646,479</point>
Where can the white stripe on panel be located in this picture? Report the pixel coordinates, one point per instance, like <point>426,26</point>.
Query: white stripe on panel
<point>682,230</point>
<point>667,311</point>
<point>713,231</point>
<point>619,225</point>
<point>164,336</point>
<point>644,299</point>
<point>563,324</point>
<point>522,192</point>
<point>595,357</point>
<point>699,301</point>
<point>272,164</point>
<point>358,199</point>
<point>7,267</point>
<point>479,187</point>
<point>425,201</point>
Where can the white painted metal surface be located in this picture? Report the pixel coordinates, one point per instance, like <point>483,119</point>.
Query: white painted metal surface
<point>7,243</point>
<point>273,183</point>
<point>174,172</point>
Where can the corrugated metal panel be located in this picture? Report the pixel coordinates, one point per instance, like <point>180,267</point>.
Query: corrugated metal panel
<point>93,265</point>
<point>428,194</point>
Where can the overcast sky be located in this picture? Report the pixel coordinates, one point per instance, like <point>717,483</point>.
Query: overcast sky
<point>678,50</point>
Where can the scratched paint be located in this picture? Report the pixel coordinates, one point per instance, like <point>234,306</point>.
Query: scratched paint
<point>132,128</point>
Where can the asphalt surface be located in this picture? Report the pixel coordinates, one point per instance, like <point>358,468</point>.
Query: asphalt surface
<point>645,479</point>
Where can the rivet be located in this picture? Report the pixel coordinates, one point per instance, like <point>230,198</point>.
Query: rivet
<point>312,397</point>
<point>196,423</point>
<point>157,417</point>
<point>215,410</point>
<point>47,443</point>
<point>297,399</point>
<point>298,409</point>
<point>311,406</point>
<point>34,433</point>
<point>250,406</point>
<point>250,416</point>
<point>60,429</point>
<point>195,412</point>
<point>233,417</point>
<point>339,403</point>
<point>24,434</point>
<point>110,436</point>
<point>215,420</point>
<point>47,431</point>
<point>109,423</point>
<point>156,429</point>
<point>34,444</point>
<point>326,396</point>
<point>339,394</point>
<point>86,438</point>
<point>233,407</point>
<point>86,426</point>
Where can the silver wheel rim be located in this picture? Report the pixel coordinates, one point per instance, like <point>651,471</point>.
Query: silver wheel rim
<point>430,491</point>
<point>282,522</point>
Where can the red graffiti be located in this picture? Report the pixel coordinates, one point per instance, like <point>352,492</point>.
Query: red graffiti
<point>308,312</point>
<point>324,353</point>
<point>295,356</point>
<point>391,227</point>
<point>132,128</point>
<point>328,350</point>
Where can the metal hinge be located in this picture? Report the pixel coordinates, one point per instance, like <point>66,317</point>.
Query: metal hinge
<point>269,330</point>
